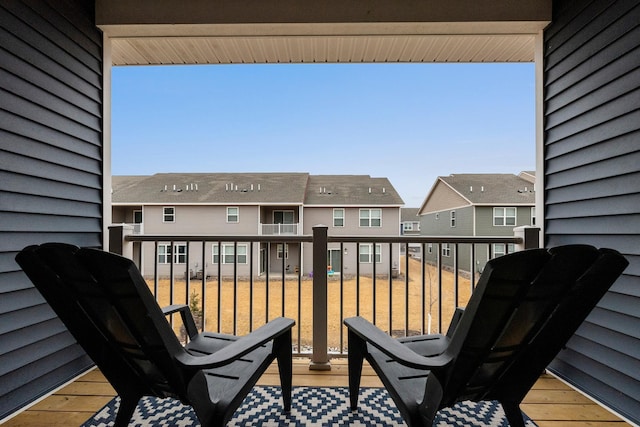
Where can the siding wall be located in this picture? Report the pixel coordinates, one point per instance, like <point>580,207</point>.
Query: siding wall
<point>50,178</point>
<point>592,181</point>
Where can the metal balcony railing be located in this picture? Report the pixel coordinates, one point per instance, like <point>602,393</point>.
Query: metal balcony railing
<point>231,294</point>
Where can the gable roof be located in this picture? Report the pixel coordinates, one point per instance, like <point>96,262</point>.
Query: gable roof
<point>480,189</point>
<point>253,188</point>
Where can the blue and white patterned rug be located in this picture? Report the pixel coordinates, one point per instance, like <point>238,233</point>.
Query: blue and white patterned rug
<point>311,406</point>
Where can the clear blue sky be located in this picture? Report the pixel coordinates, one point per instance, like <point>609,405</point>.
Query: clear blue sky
<point>408,122</point>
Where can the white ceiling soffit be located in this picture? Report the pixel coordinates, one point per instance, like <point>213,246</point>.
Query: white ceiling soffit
<point>329,49</point>
<point>313,43</point>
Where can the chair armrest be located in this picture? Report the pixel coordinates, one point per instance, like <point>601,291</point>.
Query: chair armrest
<point>186,315</point>
<point>370,333</point>
<point>240,347</point>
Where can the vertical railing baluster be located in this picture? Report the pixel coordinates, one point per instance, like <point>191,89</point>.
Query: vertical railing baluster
<point>299,320</point>
<point>406,289</point>
<point>235,287</point>
<point>341,328</point>
<point>456,296</point>
<point>373,283</point>
<point>423,296</point>
<point>266,282</point>
<point>187,283</point>
<point>204,285</point>
<point>251,283</point>
<point>357,279</point>
<point>439,265</point>
<point>390,286</point>
<point>284,273</point>
<point>219,308</point>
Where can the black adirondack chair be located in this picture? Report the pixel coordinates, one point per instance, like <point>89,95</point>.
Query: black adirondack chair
<point>524,309</point>
<point>107,306</point>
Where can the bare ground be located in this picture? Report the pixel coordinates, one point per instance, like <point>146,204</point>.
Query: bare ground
<point>253,306</point>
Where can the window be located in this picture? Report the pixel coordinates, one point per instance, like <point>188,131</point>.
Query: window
<point>370,218</point>
<point>233,214</point>
<point>179,254</point>
<point>446,250</point>
<point>280,248</point>
<point>283,217</point>
<point>168,214</point>
<point>366,255</point>
<point>452,218</point>
<point>137,217</point>
<point>228,253</point>
<point>504,216</point>
<point>533,215</point>
<point>338,217</point>
<point>498,249</point>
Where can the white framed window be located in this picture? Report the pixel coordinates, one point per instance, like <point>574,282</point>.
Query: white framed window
<point>446,249</point>
<point>168,214</point>
<point>179,253</point>
<point>370,217</point>
<point>452,218</point>
<point>498,249</point>
<point>282,250</point>
<point>233,214</point>
<point>137,216</point>
<point>228,253</point>
<point>338,217</point>
<point>504,216</point>
<point>533,215</point>
<point>366,253</point>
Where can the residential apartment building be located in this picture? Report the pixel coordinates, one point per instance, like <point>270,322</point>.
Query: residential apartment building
<point>256,204</point>
<point>476,205</point>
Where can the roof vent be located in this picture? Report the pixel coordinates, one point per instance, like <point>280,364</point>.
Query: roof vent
<point>471,189</point>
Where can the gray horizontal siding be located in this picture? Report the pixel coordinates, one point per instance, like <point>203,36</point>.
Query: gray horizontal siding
<point>50,178</point>
<point>592,181</point>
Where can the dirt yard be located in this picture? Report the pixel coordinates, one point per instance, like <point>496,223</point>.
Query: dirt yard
<point>406,297</point>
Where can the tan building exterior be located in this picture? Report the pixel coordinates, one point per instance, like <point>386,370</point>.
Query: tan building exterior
<point>256,204</point>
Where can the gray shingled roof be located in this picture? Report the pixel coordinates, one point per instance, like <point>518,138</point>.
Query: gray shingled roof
<point>409,214</point>
<point>219,188</point>
<point>242,188</point>
<point>351,190</point>
<point>492,188</point>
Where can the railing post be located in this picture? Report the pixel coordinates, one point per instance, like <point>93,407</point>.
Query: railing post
<point>117,243</point>
<point>529,235</point>
<point>320,357</point>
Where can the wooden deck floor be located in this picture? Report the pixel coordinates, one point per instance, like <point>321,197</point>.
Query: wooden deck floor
<point>550,403</point>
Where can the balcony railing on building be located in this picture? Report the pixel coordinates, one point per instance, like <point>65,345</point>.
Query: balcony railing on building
<point>279,229</point>
<point>405,285</point>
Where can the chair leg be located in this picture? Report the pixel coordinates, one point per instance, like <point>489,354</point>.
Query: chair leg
<point>125,411</point>
<point>356,352</point>
<point>283,350</point>
<point>513,413</point>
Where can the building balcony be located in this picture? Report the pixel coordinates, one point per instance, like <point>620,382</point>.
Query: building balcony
<point>279,229</point>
